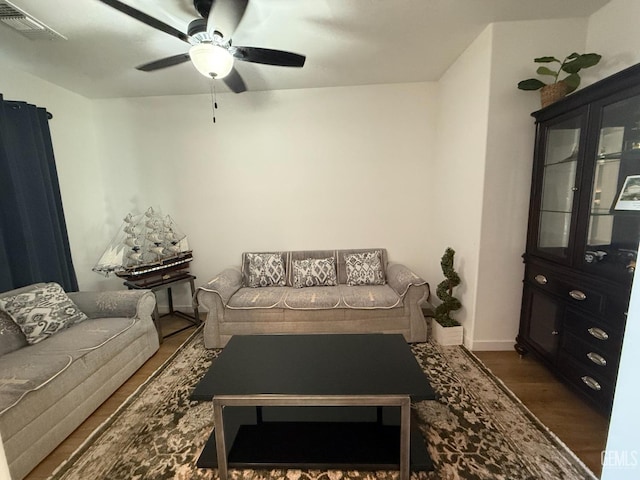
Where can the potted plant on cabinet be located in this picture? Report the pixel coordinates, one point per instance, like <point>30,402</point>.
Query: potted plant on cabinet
<point>445,329</point>
<point>558,88</point>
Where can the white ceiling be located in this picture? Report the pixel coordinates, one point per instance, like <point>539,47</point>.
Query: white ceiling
<point>347,42</point>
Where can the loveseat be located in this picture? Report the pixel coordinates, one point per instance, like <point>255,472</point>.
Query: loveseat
<point>61,356</point>
<point>299,293</point>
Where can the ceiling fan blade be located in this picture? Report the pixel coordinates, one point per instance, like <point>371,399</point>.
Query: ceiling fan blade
<point>234,81</point>
<point>225,15</point>
<point>268,56</point>
<point>146,19</point>
<point>164,62</point>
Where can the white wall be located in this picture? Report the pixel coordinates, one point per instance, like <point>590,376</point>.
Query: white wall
<point>507,170</point>
<point>73,136</point>
<point>458,172</point>
<point>485,144</point>
<point>613,33</point>
<point>294,169</point>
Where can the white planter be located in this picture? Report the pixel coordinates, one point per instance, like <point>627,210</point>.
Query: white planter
<point>446,335</point>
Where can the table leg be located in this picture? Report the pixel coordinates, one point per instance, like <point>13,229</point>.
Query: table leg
<point>195,301</point>
<point>170,298</point>
<point>221,448</point>
<point>156,320</point>
<point>154,287</point>
<point>405,439</point>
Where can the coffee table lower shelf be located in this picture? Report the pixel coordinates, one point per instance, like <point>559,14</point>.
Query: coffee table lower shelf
<point>319,445</point>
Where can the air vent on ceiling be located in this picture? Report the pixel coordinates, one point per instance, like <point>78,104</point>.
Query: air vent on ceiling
<point>25,24</point>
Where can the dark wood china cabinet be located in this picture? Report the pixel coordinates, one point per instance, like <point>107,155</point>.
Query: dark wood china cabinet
<point>584,228</point>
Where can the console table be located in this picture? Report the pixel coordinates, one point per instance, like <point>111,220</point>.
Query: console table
<point>168,284</point>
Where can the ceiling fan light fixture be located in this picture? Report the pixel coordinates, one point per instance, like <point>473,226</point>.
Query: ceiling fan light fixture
<point>211,60</point>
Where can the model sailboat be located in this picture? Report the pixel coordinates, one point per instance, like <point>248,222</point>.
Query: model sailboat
<point>146,245</point>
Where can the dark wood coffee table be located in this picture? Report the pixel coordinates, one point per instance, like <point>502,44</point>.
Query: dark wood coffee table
<point>315,401</point>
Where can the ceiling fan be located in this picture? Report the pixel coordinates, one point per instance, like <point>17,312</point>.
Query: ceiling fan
<point>211,51</point>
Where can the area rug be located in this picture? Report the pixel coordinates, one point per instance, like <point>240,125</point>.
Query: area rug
<point>477,429</point>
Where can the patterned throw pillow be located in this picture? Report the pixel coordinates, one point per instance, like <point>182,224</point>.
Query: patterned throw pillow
<point>11,337</point>
<point>43,311</point>
<point>266,269</point>
<point>364,268</point>
<point>314,271</point>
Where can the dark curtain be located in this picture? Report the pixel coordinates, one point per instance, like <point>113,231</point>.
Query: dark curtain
<point>34,246</point>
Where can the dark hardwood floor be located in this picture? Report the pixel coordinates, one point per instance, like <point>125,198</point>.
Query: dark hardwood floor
<point>582,428</point>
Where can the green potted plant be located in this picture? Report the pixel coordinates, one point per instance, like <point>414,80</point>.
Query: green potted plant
<point>445,329</point>
<point>558,87</point>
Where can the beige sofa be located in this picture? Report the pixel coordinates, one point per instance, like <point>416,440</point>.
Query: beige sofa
<point>234,308</point>
<point>52,386</point>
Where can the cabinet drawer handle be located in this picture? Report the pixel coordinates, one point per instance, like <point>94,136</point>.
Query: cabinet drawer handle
<point>541,279</point>
<point>598,333</point>
<point>577,295</point>
<point>597,359</point>
<point>591,383</point>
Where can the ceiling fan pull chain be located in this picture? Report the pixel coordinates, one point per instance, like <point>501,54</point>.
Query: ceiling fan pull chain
<point>214,101</point>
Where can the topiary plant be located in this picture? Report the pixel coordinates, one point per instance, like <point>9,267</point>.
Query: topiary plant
<point>444,291</point>
<point>571,65</point>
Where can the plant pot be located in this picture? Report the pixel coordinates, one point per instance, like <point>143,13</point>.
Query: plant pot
<point>552,93</point>
<point>446,335</point>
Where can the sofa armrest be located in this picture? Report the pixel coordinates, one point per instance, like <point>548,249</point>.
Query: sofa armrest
<point>120,303</point>
<point>225,284</point>
<point>215,296</point>
<point>414,291</point>
<point>401,278</point>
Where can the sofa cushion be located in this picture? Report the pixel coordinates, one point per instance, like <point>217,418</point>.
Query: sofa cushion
<point>87,336</point>
<point>312,298</point>
<point>248,297</point>
<point>42,311</point>
<point>369,296</point>
<point>34,366</point>
<point>265,269</point>
<point>22,373</point>
<point>314,271</point>
<point>364,268</point>
<point>11,337</point>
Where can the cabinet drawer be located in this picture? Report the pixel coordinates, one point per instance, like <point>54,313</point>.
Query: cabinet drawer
<point>594,359</point>
<point>542,278</point>
<point>600,335</point>
<point>572,291</point>
<point>593,385</point>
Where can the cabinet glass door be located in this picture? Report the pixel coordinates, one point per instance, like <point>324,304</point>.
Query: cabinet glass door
<point>558,187</point>
<point>614,212</point>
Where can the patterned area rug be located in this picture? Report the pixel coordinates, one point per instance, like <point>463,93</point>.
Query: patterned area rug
<point>477,429</point>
